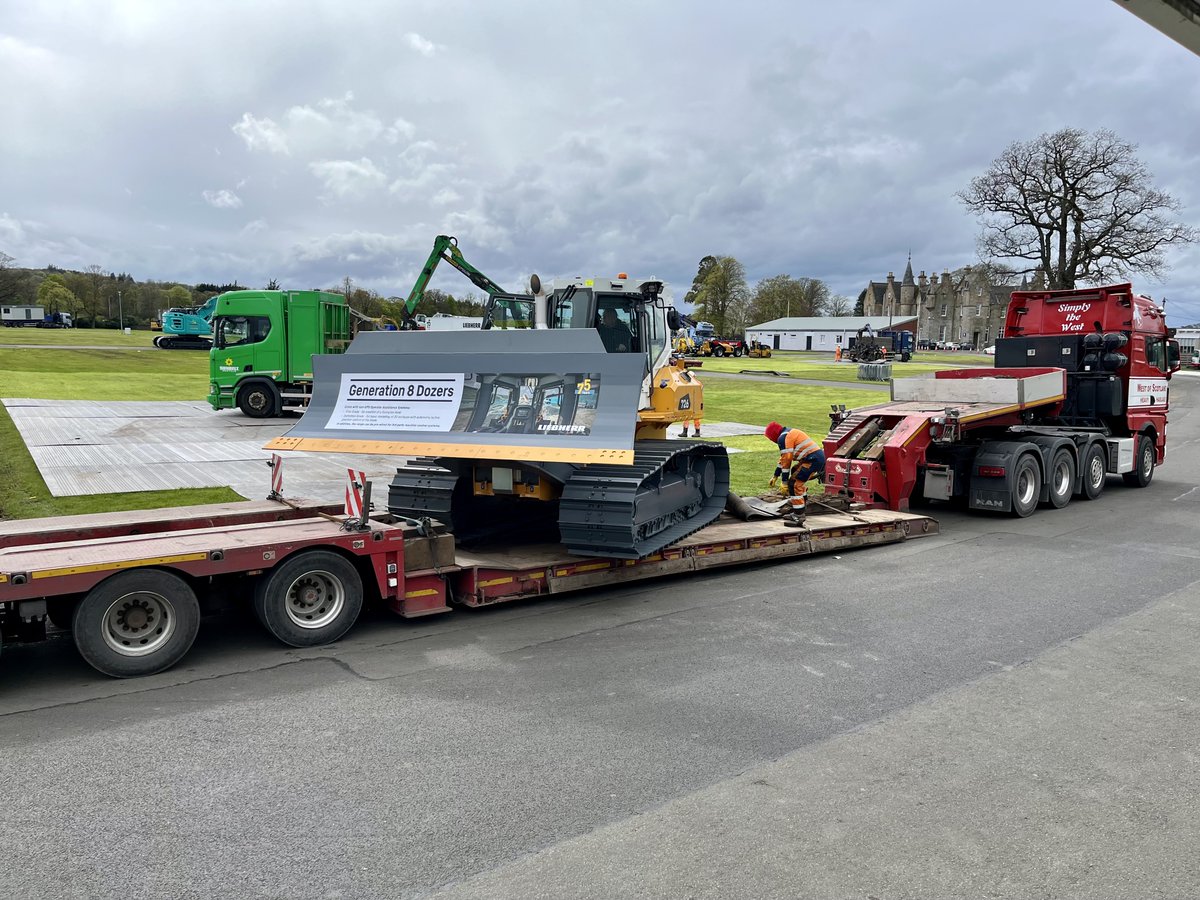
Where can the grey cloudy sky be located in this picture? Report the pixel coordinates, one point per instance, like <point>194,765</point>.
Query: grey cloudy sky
<point>308,141</point>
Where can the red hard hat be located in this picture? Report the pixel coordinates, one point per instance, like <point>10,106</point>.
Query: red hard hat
<point>774,430</point>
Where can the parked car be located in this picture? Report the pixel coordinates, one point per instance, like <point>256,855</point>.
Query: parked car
<point>990,351</point>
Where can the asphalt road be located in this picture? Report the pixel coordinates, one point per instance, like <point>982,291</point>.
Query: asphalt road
<point>1008,709</point>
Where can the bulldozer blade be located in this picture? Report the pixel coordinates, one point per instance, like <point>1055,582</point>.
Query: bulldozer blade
<point>541,396</point>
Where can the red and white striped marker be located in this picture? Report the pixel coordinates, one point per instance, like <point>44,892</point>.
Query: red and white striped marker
<point>354,496</point>
<point>276,465</point>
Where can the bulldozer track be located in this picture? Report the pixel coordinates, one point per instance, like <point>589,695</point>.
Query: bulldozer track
<point>671,490</point>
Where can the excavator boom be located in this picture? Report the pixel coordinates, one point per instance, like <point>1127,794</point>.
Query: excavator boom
<point>445,248</point>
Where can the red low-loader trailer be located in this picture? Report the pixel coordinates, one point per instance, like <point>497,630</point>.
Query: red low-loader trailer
<point>1080,391</point>
<point>131,587</point>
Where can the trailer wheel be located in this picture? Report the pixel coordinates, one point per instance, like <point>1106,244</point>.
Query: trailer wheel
<point>1062,478</point>
<point>1095,468</point>
<point>1027,486</point>
<point>311,599</point>
<point>1143,468</point>
<point>136,623</point>
<point>258,399</point>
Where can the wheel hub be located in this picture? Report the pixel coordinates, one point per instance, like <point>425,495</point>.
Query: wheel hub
<point>315,599</point>
<point>138,624</point>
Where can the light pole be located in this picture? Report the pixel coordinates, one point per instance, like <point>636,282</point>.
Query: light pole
<point>120,313</point>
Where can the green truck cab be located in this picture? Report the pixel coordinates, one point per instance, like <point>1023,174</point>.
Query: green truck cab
<point>263,345</point>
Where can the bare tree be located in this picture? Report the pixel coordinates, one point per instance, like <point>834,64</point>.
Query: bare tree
<point>1079,206</point>
<point>839,306</point>
<point>95,279</point>
<point>8,278</point>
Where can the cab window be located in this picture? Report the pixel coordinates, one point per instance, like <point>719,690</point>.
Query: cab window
<point>617,328</point>
<point>658,333</point>
<point>1156,353</point>
<point>569,308</point>
<point>236,331</point>
<point>510,312</point>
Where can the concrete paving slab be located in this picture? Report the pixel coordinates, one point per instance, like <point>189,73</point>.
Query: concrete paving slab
<point>83,448</point>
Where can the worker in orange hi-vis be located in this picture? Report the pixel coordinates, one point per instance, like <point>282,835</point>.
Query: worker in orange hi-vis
<point>800,460</point>
<point>695,419</point>
<point>837,353</point>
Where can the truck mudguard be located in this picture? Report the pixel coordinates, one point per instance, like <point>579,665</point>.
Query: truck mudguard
<point>994,493</point>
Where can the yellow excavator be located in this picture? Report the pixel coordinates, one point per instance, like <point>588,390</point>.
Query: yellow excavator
<point>552,417</point>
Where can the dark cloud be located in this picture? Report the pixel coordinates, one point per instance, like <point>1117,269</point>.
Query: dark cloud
<point>324,140</point>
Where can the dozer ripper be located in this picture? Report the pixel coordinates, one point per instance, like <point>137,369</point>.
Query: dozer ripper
<point>553,415</point>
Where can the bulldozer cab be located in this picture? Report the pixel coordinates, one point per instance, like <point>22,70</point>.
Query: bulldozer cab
<point>505,311</point>
<point>627,317</point>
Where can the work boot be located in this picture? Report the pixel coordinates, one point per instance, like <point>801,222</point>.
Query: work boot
<point>697,431</point>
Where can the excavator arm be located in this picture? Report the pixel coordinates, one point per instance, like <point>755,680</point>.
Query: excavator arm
<point>445,248</point>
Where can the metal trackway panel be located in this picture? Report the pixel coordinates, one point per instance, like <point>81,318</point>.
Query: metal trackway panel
<point>83,448</point>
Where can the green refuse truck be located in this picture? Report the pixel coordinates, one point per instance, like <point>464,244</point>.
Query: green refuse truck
<point>264,343</point>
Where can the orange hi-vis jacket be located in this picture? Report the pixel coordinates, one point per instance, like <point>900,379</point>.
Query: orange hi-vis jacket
<point>795,445</point>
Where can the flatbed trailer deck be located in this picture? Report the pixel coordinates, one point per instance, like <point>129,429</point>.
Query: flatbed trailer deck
<point>130,586</point>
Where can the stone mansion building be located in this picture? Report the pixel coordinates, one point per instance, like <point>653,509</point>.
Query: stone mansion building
<point>960,307</point>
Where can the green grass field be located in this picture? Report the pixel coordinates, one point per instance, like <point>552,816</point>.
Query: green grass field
<point>76,337</point>
<point>821,366</point>
<point>756,403</point>
<point>150,374</point>
<point>91,375</point>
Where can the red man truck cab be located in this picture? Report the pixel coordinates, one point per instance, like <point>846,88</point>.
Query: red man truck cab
<point>1079,391</point>
<point>1115,347</point>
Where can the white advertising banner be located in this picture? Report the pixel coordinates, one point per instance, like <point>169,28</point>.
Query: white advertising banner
<point>1147,392</point>
<point>391,402</point>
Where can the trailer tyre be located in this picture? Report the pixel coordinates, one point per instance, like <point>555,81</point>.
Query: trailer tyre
<point>1027,486</point>
<point>311,599</point>
<point>1062,478</point>
<point>1143,463</point>
<point>259,399</point>
<point>1095,466</point>
<point>136,623</point>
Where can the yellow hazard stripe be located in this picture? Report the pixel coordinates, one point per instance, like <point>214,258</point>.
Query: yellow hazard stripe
<point>495,581</point>
<point>424,592</point>
<point>3,578</point>
<point>459,451</point>
<point>575,570</point>
<point>123,564</point>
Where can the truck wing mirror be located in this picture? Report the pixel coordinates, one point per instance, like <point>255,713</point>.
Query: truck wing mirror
<point>1174,357</point>
<point>673,319</point>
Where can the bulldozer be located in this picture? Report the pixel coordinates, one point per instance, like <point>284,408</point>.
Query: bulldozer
<point>549,422</point>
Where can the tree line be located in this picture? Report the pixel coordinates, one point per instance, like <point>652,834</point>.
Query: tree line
<point>97,298</point>
<point>721,295</point>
